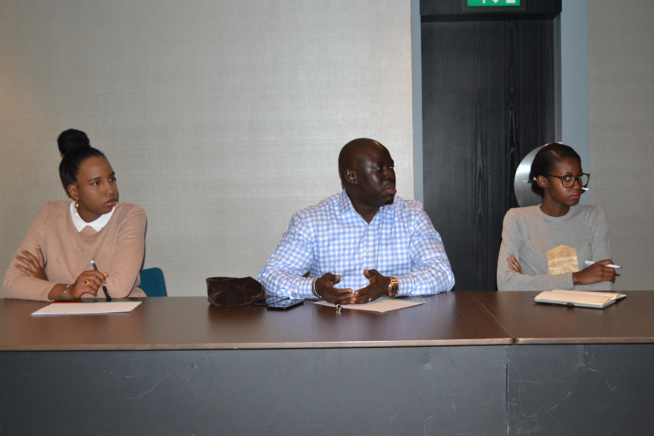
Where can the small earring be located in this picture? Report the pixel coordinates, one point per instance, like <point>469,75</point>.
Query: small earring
<point>76,204</point>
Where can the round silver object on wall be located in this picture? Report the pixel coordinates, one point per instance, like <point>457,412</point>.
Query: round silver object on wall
<point>521,185</point>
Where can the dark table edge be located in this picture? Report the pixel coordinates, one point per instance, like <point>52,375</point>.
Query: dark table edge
<point>261,345</point>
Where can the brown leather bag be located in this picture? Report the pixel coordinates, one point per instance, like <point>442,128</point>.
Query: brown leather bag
<point>231,292</point>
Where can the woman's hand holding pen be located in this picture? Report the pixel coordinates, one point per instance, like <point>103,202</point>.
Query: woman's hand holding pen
<point>602,271</point>
<point>595,273</point>
<point>89,282</point>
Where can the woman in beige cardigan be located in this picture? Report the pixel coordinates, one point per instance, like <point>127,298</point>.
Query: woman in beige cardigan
<point>54,260</point>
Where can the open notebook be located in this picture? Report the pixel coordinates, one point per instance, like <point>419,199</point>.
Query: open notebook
<point>596,300</point>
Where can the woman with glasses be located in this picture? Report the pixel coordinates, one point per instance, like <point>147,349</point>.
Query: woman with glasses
<point>550,246</point>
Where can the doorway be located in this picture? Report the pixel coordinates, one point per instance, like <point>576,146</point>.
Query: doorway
<point>490,90</point>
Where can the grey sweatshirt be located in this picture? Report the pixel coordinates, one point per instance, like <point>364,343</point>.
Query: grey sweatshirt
<point>529,234</point>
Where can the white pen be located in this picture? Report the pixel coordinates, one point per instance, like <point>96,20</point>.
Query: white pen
<point>610,265</point>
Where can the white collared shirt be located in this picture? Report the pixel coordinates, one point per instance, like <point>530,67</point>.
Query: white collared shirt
<point>96,225</point>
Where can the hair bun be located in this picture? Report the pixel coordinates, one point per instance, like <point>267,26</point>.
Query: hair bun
<point>72,139</point>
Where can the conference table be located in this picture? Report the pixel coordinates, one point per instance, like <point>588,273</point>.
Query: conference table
<point>460,363</point>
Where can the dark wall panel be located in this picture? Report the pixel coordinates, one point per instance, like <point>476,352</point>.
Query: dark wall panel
<point>488,99</point>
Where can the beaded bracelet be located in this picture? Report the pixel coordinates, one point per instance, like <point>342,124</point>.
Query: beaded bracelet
<point>313,288</point>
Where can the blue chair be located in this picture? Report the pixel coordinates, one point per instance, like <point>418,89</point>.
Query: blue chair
<point>153,283</point>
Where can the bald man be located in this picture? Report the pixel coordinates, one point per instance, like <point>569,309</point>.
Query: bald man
<point>361,244</point>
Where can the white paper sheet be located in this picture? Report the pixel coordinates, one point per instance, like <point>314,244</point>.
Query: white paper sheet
<point>380,305</point>
<point>87,308</point>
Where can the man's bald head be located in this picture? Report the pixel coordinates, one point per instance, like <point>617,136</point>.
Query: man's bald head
<point>351,154</point>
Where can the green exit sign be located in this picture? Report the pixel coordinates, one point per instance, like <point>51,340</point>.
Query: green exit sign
<point>492,3</point>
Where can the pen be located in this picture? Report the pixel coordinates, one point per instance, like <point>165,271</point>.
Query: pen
<point>104,288</point>
<point>610,265</point>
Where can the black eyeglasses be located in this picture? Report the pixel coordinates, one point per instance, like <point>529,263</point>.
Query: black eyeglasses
<point>569,181</point>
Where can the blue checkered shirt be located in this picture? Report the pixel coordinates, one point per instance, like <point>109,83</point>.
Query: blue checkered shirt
<point>331,237</point>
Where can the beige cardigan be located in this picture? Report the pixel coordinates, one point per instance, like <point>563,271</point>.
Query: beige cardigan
<point>118,248</point>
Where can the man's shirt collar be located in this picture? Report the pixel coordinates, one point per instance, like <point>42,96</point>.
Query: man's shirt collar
<point>345,206</point>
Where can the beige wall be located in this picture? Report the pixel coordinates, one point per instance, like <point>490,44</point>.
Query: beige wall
<point>621,114</point>
<point>221,118</point>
